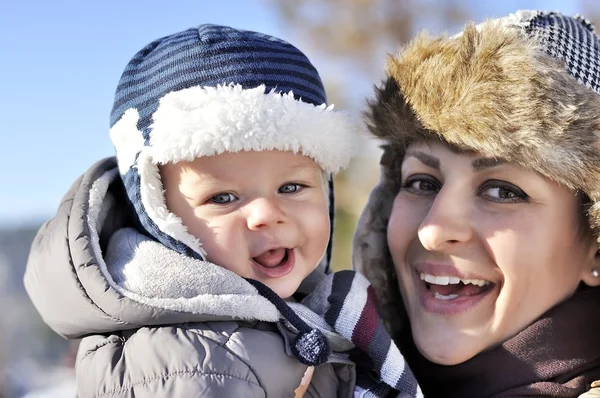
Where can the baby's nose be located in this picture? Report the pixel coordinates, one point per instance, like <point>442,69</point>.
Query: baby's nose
<point>264,213</point>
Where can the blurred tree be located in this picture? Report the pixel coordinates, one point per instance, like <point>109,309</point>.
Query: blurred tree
<point>358,33</point>
<point>354,36</point>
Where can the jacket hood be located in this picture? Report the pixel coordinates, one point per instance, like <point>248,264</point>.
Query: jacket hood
<point>520,88</point>
<point>78,292</point>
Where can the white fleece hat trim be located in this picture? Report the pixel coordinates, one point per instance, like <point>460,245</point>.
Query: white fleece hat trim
<point>127,139</point>
<point>205,121</point>
<point>153,199</point>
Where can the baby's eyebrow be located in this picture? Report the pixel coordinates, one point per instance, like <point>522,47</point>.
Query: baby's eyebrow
<point>300,167</point>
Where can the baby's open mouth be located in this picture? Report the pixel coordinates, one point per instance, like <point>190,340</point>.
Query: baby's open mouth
<point>272,258</point>
<point>450,287</point>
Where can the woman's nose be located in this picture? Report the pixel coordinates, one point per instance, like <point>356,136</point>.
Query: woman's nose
<point>264,213</point>
<point>447,223</point>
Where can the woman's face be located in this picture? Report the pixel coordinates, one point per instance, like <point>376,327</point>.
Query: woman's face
<point>482,248</point>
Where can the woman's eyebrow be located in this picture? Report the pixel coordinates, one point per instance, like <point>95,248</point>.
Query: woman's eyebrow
<point>424,158</point>
<point>433,162</point>
<point>486,163</point>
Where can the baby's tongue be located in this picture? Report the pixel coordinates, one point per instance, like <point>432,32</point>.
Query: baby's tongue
<point>271,258</point>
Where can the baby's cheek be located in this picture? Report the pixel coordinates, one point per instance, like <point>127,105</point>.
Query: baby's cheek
<point>223,247</point>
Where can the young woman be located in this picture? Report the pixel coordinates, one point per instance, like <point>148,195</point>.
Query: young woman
<point>481,239</point>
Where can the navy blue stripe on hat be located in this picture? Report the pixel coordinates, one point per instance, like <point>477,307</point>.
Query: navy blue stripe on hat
<point>183,47</point>
<point>214,59</point>
<point>212,55</point>
<point>237,57</point>
<point>141,56</point>
<point>281,74</point>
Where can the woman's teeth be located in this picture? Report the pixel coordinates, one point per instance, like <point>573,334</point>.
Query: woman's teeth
<point>451,280</point>
<point>444,297</point>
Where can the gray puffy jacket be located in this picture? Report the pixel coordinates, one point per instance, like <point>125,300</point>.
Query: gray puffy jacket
<point>154,323</point>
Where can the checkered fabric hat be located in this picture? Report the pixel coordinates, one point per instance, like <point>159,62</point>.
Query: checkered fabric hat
<point>571,39</point>
<point>215,89</point>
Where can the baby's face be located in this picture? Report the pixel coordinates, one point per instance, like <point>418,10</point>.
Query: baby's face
<point>263,215</point>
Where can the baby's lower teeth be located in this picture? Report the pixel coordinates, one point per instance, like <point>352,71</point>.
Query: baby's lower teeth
<point>443,297</point>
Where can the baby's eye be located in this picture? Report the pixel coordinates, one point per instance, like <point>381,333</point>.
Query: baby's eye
<point>290,188</point>
<point>222,198</point>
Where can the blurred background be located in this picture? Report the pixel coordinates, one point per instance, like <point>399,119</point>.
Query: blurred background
<point>61,61</point>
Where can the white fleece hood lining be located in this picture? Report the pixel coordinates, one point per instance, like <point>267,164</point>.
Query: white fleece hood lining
<point>153,199</point>
<point>162,278</point>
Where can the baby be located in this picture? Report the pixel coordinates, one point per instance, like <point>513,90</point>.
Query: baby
<point>203,269</point>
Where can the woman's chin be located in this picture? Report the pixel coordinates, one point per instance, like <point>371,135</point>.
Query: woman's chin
<point>446,358</point>
<point>446,349</point>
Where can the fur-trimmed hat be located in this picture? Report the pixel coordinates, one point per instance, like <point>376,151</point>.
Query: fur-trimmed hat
<point>215,89</point>
<point>523,88</point>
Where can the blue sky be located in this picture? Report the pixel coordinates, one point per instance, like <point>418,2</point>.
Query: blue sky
<point>61,61</point>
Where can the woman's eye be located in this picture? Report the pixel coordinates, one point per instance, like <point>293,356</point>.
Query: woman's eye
<point>290,188</point>
<point>503,193</point>
<point>421,186</point>
<point>222,198</point>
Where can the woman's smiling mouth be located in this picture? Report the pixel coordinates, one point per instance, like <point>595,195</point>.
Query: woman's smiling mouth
<point>445,293</point>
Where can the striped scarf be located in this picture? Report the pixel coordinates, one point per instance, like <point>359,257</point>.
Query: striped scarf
<point>347,303</point>
<point>353,314</point>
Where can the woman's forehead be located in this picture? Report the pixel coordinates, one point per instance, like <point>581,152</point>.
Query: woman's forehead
<point>430,152</point>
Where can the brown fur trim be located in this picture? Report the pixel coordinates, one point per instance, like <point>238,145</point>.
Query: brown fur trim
<point>370,253</point>
<point>492,91</point>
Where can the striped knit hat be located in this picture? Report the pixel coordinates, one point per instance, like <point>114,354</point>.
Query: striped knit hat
<point>215,89</point>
